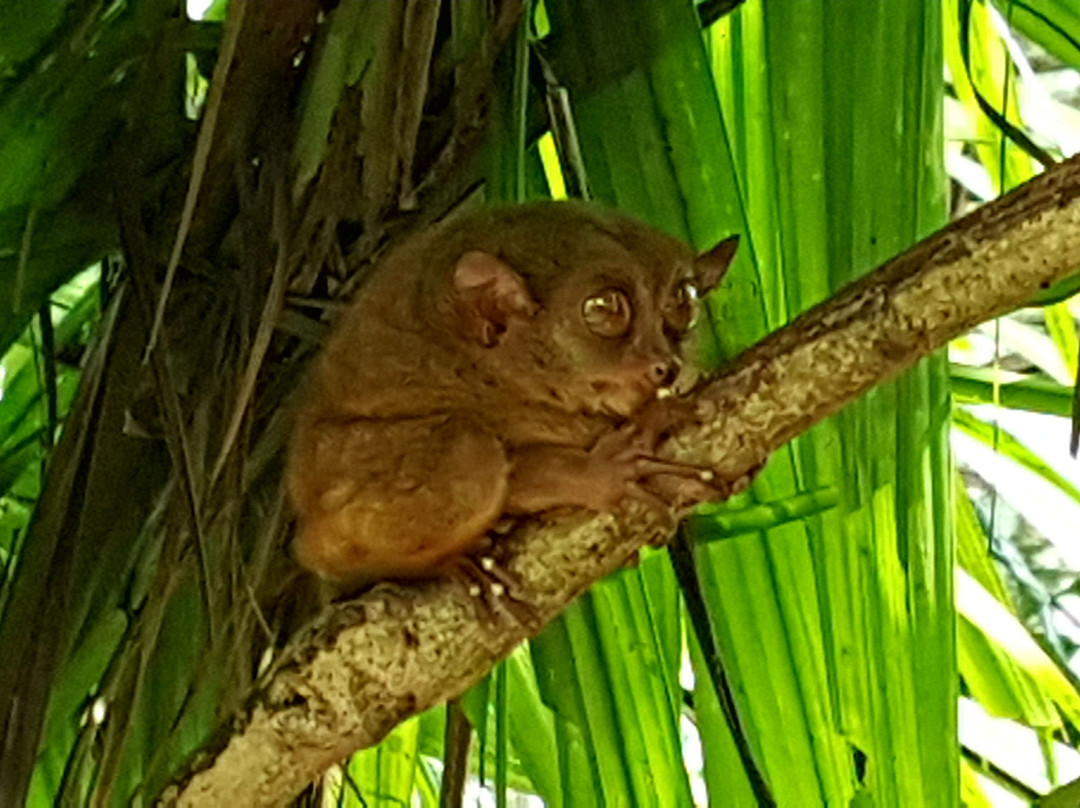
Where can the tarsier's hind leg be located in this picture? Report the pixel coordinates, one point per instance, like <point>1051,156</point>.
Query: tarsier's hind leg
<point>393,499</point>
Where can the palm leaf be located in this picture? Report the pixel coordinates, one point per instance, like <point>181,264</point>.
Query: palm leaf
<point>813,130</point>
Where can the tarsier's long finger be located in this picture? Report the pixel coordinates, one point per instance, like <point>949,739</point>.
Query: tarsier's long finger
<point>511,586</point>
<point>613,441</point>
<point>740,484</point>
<point>642,494</point>
<point>647,465</point>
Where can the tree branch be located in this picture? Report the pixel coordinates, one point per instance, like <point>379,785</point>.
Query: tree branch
<point>396,651</point>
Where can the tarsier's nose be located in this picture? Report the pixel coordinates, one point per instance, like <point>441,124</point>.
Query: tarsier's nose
<point>664,373</point>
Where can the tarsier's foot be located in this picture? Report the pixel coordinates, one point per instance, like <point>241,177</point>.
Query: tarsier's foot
<point>495,591</point>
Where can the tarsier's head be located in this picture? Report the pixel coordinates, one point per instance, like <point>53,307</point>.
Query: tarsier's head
<point>579,306</point>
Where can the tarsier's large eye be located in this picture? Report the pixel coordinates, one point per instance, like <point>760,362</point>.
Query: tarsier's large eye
<point>607,313</point>
<point>685,309</point>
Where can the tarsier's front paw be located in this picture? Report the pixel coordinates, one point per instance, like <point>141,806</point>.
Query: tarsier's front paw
<point>623,465</point>
<point>658,481</point>
<point>684,491</point>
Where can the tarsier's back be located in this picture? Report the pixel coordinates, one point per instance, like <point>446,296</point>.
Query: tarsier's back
<point>482,371</point>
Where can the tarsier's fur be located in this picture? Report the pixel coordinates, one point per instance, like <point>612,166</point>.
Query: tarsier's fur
<point>463,385</point>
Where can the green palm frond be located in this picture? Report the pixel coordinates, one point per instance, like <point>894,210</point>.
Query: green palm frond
<point>147,580</point>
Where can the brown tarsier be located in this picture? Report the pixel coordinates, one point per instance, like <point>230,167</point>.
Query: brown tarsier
<point>507,362</point>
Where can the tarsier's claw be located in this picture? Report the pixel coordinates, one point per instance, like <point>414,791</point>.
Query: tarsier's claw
<point>492,588</point>
<point>651,465</point>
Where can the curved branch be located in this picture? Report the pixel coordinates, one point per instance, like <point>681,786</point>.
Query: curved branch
<point>396,651</point>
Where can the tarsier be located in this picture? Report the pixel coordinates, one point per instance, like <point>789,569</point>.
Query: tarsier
<point>507,362</point>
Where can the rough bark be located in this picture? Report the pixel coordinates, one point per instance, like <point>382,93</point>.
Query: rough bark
<point>371,663</point>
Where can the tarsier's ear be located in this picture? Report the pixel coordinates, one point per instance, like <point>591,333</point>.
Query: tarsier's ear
<point>489,293</point>
<point>711,266</point>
